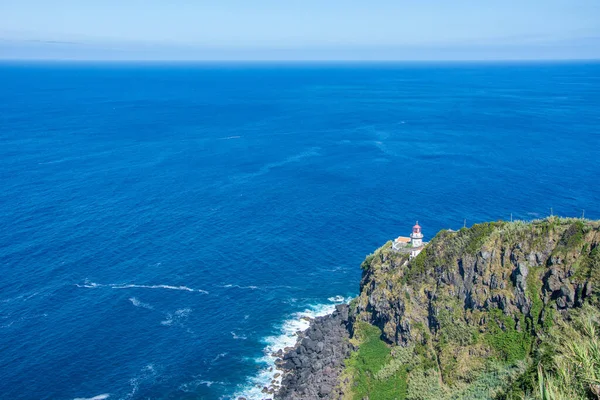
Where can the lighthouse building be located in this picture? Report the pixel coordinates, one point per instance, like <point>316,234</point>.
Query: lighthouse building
<point>413,244</point>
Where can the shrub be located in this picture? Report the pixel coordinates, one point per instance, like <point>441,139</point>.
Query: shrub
<point>510,344</point>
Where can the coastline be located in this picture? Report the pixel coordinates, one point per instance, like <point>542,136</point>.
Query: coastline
<point>313,366</point>
<point>275,378</point>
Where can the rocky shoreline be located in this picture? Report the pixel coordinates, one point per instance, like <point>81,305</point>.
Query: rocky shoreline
<point>312,368</point>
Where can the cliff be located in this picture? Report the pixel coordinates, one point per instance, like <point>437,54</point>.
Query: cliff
<point>474,307</point>
<point>499,310</point>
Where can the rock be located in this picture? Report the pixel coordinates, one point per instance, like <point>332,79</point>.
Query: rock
<point>325,390</point>
<point>277,354</point>
<point>313,367</point>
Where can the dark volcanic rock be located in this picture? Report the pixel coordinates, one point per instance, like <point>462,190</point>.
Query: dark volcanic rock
<point>313,367</point>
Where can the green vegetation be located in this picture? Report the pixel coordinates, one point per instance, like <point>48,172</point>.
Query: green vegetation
<point>454,330</point>
<point>502,335</point>
<point>365,368</point>
<point>366,264</point>
<point>588,265</point>
<point>417,266</point>
<point>534,291</point>
<point>567,363</point>
<point>572,238</point>
<point>477,235</point>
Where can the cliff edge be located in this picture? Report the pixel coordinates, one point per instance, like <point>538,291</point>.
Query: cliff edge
<point>499,310</point>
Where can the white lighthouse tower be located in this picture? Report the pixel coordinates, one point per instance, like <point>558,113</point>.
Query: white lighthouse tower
<point>413,244</point>
<point>416,236</point>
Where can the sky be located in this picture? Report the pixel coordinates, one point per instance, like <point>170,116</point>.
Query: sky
<point>299,29</point>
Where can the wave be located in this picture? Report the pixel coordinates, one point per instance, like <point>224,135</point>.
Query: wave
<point>230,137</point>
<point>93,285</point>
<point>287,337</point>
<point>176,317</point>
<point>191,387</point>
<point>137,303</point>
<point>210,383</point>
<point>148,374</point>
<point>221,355</point>
<point>339,299</point>
<point>254,287</point>
<point>240,337</point>
<point>251,287</point>
<point>99,397</point>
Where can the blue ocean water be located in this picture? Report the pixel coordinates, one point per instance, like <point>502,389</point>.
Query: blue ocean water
<point>162,225</point>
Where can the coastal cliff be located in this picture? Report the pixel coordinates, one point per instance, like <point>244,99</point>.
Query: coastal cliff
<point>499,310</point>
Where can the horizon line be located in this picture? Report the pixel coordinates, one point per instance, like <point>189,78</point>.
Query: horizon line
<point>299,61</point>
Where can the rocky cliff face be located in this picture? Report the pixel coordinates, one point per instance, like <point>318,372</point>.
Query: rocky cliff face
<point>484,292</point>
<point>313,367</point>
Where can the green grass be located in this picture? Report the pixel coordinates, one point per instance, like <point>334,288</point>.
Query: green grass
<point>533,291</point>
<point>478,233</point>
<point>567,363</point>
<point>510,344</point>
<point>366,264</point>
<point>572,238</point>
<point>365,365</point>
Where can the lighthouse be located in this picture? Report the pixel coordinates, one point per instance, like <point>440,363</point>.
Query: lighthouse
<point>412,245</point>
<point>416,236</point>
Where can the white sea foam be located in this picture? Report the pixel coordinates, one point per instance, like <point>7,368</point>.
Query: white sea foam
<point>254,287</point>
<point>230,137</point>
<point>148,373</point>
<point>286,337</point>
<point>191,387</point>
<point>99,397</point>
<point>241,287</point>
<point>93,285</point>
<point>238,337</point>
<point>208,383</point>
<point>177,317</point>
<point>219,356</point>
<point>138,303</point>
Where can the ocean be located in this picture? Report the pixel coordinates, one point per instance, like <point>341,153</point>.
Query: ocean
<point>164,227</point>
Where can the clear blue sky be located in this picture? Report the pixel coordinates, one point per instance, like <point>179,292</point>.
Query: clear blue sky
<point>300,29</point>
